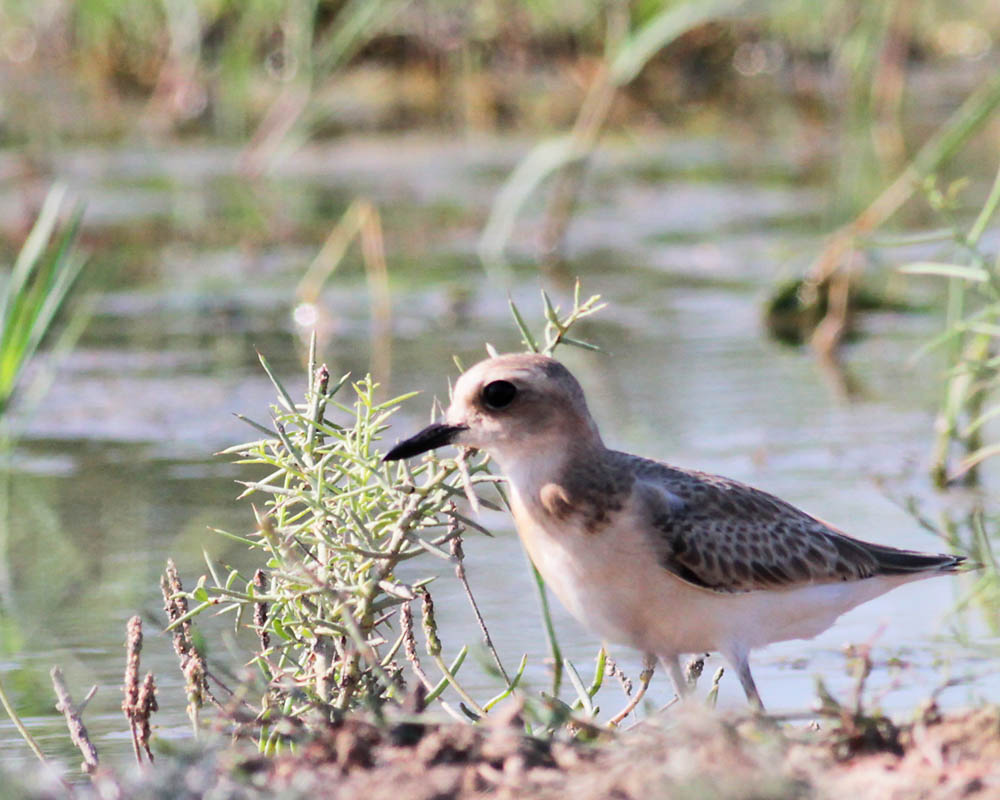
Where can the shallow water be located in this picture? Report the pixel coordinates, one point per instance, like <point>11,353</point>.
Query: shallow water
<point>114,471</point>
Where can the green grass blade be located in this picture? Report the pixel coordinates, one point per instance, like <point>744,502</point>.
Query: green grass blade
<point>543,160</point>
<point>35,244</point>
<point>357,22</point>
<point>550,631</point>
<point>662,29</point>
<point>985,214</point>
<point>41,281</point>
<point>443,684</point>
<point>962,271</point>
<point>235,537</point>
<point>513,685</point>
<point>580,343</point>
<point>583,696</point>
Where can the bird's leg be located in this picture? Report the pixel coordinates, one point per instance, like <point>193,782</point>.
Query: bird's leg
<point>742,664</point>
<point>673,667</point>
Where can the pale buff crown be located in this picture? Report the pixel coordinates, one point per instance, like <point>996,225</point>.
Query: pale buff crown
<point>548,410</point>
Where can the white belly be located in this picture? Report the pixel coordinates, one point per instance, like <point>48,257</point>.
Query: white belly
<point>613,583</point>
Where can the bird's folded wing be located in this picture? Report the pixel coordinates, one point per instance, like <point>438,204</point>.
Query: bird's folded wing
<point>722,535</point>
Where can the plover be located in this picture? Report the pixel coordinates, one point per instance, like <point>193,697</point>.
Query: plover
<point>663,559</point>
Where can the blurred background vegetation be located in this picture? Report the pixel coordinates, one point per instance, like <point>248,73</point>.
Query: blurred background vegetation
<point>383,171</point>
<point>270,77</point>
<point>218,69</point>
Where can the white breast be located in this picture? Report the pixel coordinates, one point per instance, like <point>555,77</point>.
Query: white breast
<point>610,581</point>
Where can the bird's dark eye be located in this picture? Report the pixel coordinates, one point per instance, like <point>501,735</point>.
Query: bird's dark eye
<point>498,394</point>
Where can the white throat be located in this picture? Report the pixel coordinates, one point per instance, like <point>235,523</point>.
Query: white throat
<point>531,466</point>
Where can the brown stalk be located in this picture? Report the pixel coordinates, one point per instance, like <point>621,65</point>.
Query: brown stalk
<point>377,274</point>
<point>586,133</point>
<point>361,221</point>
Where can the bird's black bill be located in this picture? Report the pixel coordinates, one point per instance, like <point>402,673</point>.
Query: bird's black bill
<point>436,435</point>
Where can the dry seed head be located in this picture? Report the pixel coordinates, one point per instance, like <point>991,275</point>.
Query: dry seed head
<point>409,640</point>
<point>455,546</point>
<point>146,705</point>
<point>433,643</point>
<point>194,681</point>
<point>260,611</point>
<point>718,676</point>
<point>147,695</point>
<point>133,647</point>
<point>175,604</point>
<point>694,669</point>
<point>192,662</point>
<point>612,669</point>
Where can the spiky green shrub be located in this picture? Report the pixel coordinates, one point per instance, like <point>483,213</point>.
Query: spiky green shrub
<point>333,618</point>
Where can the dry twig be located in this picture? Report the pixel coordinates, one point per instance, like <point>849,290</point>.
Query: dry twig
<point>459,556</point>
<point>74,721</point>
<point>648,666</point>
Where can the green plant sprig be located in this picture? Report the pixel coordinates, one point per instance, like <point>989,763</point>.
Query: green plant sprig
<point>972,330</point>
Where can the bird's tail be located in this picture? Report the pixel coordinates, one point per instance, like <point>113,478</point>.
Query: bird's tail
<point>892,561</point>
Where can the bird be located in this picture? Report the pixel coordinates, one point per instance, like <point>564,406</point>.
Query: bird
<point>667,560</point>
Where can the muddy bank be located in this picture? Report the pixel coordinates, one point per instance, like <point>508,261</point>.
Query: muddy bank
<point>682,755</point>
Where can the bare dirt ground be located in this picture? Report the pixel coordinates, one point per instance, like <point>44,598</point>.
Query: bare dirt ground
<point>693,754</point>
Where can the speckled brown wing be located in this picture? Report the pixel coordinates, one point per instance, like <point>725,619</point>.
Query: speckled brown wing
<point>723,535</point>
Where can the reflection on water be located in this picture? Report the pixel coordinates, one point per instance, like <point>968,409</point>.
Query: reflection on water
<point>115,472</point>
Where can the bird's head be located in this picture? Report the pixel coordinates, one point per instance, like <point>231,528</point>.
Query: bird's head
<point>510,405</point>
